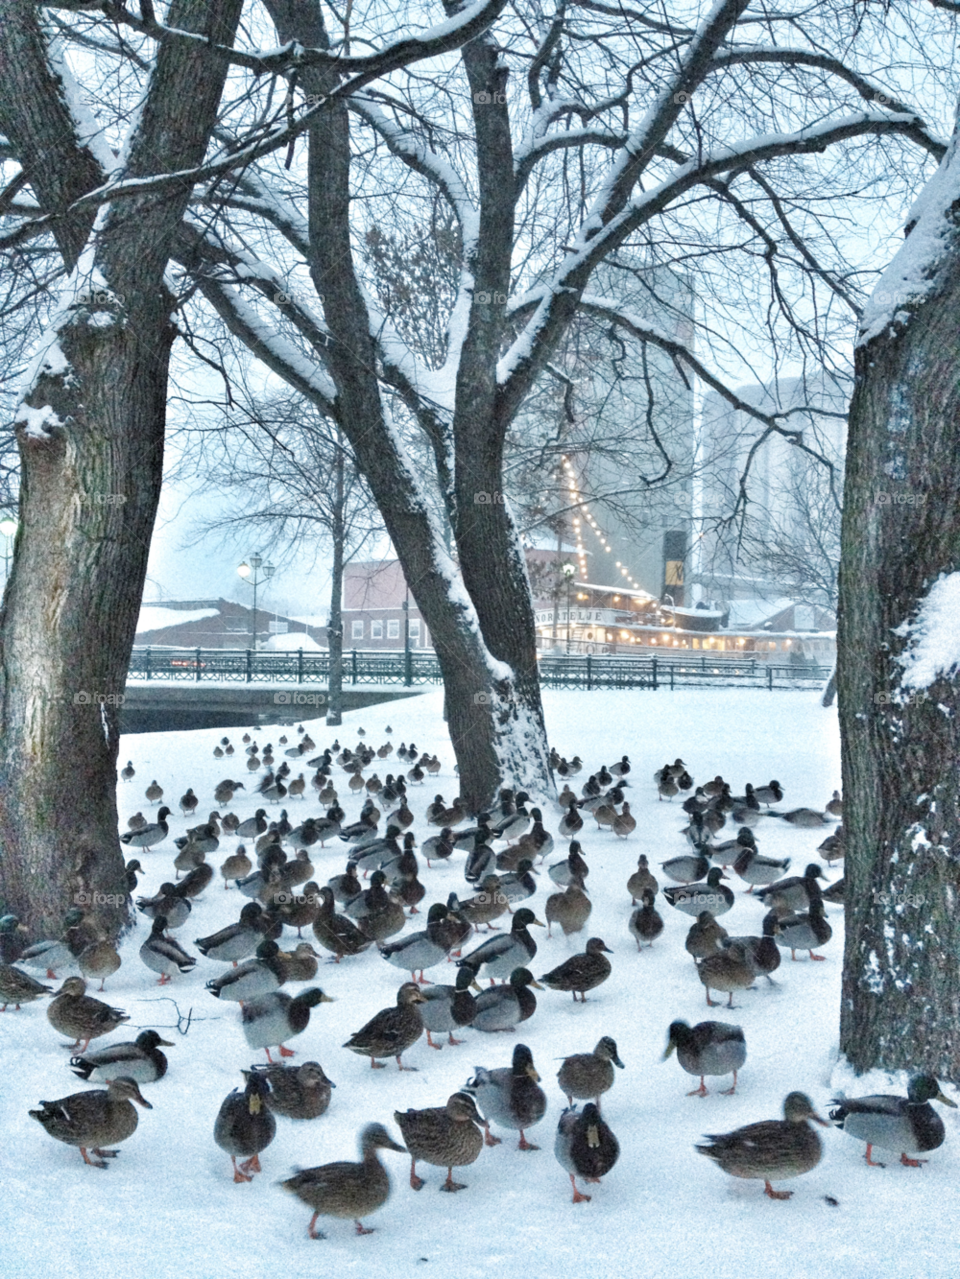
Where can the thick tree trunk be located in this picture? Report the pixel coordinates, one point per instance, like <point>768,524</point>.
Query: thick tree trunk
<point>90,435</point>
<point>901,740</point>
<point>335,626</point>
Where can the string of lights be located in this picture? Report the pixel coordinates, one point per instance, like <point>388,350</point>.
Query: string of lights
<point>577,500</point>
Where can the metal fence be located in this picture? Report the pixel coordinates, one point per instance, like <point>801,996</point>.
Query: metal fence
<point>414,668</point>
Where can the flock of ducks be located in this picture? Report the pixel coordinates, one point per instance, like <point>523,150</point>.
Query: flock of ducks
<point>272,866</point>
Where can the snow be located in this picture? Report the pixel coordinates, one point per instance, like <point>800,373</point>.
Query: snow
<point>933,636</point>
<point>154,617</point>
<point>290,642</point>
<point>37,422</point>
<point>168,1207</point>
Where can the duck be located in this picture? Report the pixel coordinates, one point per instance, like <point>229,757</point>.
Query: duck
<point>624,823</point>
<point>747,811</point>
<point>237,866</point>
<point>347,886</point>
<point>421,950</point>
<point>536,842</point>
<point>572,867</point>
<point>709,1048</point>
<point>705,936</point>
<point>728,969</point>
<point>168,903</point>
<point>335,932</point>
<point>835,806</point>
<point>274,1018</point>
<point>254,826</point>
<point>131,871</point>
<point>392,1030</point>
<point>805,931</point>
<point>754,869</point>
<point>225,790</point>
<point>299,964</point>
<point>193,884</point>
<point>236,941</point>
<point>772,793</point>
<point>92,1120</point>
<point>140,1060</point>
<point>18,987</point>
<point>483,833</point>
<point>151,835</point>
<point>640,879</point>
<point>154,792</point>
<point>447,1008</point>
<point>346,1189</point>
<point>299,909</point>
<point>447,1136</point>
<point>667,787</point>
<point>833,847</point>
<point>709,895</point>
<point>245,1126</point>
<point>730,850</point>
<point>499,956</point>
<point>297,1092</point>
<point>621,768</point>
<point>481,861</point>
<point>772,1150</point>
<point>589,1075</point>
<point>504,1007</point>
<point>908,1124</point>
<point>136,822</point>
<point>581,973</point>
<point>570,909</point>
<point>806,818</point>
<point>520,884</point>
<point>257,976</point>
<point>645,924</point>
<point>163,954</point>
<point>762,952</point>
<point>128,772</point>
<point>489,904</point>
<point>73,1012</point>
<point>796,893</point>
<point>571,823</point>
<point>438,848</point>
<point>687,868</point>
<point>585,1147</point>
<point>835,892</point>
<point>510,1096</point>
<point>188,802</point>
<point>517,824</point>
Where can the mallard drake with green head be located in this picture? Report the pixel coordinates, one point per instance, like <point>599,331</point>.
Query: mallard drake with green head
<point>908,1124</point>
<point>274,1018</point>
<point>645,924</point>
<point>705,936</point>
<point>151,835</point>
<point>238,940</point>
<point>245,1126</point>
<point>754,869</point>
<point>297,1092</point>
<point>710,1048</point>
<point>93,1120</point>
<point>572,869</point>
<point>140,1060</point>
<point>504,1007</point>
<point>581,973</point>
<point>570,909</point>
<point>510,1096</point>
<point>762,953</point>
<point>585,1147</point>
<point>73,1012</point>
<point>710,895</point>
<point>164,955</point>
<point>795,893</point>
<point>447,1136</point>
<point>589,1075</point>
<point>392,1031</point>
<point>499,956</point>
<point>447,1008</point>
<point>728,969</point>
<point>773,1150</point>
<point>346,1189</point>
<point>18,987</point>
<point>265,972</point>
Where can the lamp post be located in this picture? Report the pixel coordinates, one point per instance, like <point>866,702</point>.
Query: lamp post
<point>407,663</point>
<point>8,528</point>
<point>568,571</point>
<point>256,569</point>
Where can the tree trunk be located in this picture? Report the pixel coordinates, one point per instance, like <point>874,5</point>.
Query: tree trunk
<point>90,435</point>
<point>335,625</point>
<point>901,737</point>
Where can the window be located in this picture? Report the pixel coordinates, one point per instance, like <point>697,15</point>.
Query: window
<point>376,630</point>
<point>357,630</point>
<point>393,628</point>
<point>414,628</point>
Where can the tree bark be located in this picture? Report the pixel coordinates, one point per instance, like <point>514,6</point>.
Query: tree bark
<point>901,744</point>
<point>90,435</point>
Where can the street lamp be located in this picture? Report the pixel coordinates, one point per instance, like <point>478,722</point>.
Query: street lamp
<point>259,571</point>
<point>568,571</point>
<point>8,528</point>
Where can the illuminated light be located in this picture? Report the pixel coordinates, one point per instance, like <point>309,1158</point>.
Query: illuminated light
<point>624,634</point>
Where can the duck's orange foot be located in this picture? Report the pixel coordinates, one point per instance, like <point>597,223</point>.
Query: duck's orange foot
<point>578,1198</point>
<point>912,1163</point>
<point>364,1230</point>
<point>776,1194</point>
<point>872,1162</point>
<point>454,1043</point>
<point>238,1176</point>
<point>287,1052</point>
<point>523,1144</point>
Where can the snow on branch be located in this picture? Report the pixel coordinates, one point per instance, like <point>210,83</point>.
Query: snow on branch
<point>933,636</point>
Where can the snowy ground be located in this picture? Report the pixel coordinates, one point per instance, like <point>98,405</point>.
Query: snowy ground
<point>168,1206</point>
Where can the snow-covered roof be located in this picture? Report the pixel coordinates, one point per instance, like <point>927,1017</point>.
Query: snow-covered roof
<point>750,613</point>
<point>154,617</point>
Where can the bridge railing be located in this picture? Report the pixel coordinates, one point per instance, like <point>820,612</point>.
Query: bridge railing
<point>412,668</point>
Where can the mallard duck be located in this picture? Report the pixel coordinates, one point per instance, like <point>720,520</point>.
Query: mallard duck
<point>245,1125</point>
<point>769,794</point>
<point>299,964</point>
<point>517,824</point>
<point>710,1048</point>
<point>392,1031</point>
<point>237,866</point>
<point>796,893</point>
<point>571,823</point>
<point>446,1136</point>
<point>710,895</point>
<point>12,933</point>
<point>705,936</point>
<point>510,1096</point>
<point>728,969</point>
<point>481,861</point>
<point>17,987</point>
<point>297,1092</point>
<point>687,868</point>
<point>754,869</point>
<point>489,904</point>
<point>447,1008</point>
<point>773,1150</point>
<point>140,1060</point>
<point>805,818</point>
<point>346,887</point>
<point>519,884</point>
<point>254,826</point>
<point>420,950</point>
<point>136,822</point>
<point>730,850</point>
<point>438,848</point>
<point>570,909</point>
<point>168,903</point>
<point>581,973</point>
<point>274,1018</point>
<point>504,1007</point>
<point>762,953</point>
<point>908,1124</point>
<point>193,884</point>
<point>154,792</point>
<point>150,835</point>
<point>585,1147</point>
<point>641,879</point>
<point>624,823</point>
<point>128,772</point>
<point>803,932</point>
<point>589,1075</point>
<point>536,842</point>
<point>834,846</point>
<point>163,954</point>
<point>454,929</point>
<point>92,1120</point>
<point>238,940</point>
<point>73,1012</point>
<point>99,959</point>
<point>335,932</point>
<point>499,956</point>
<point>47,956</point>
<point>257,976</point>
<point>645,924</point>
<point>345,1189</point>
<point>834,893</point>
<point>573,867</point>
